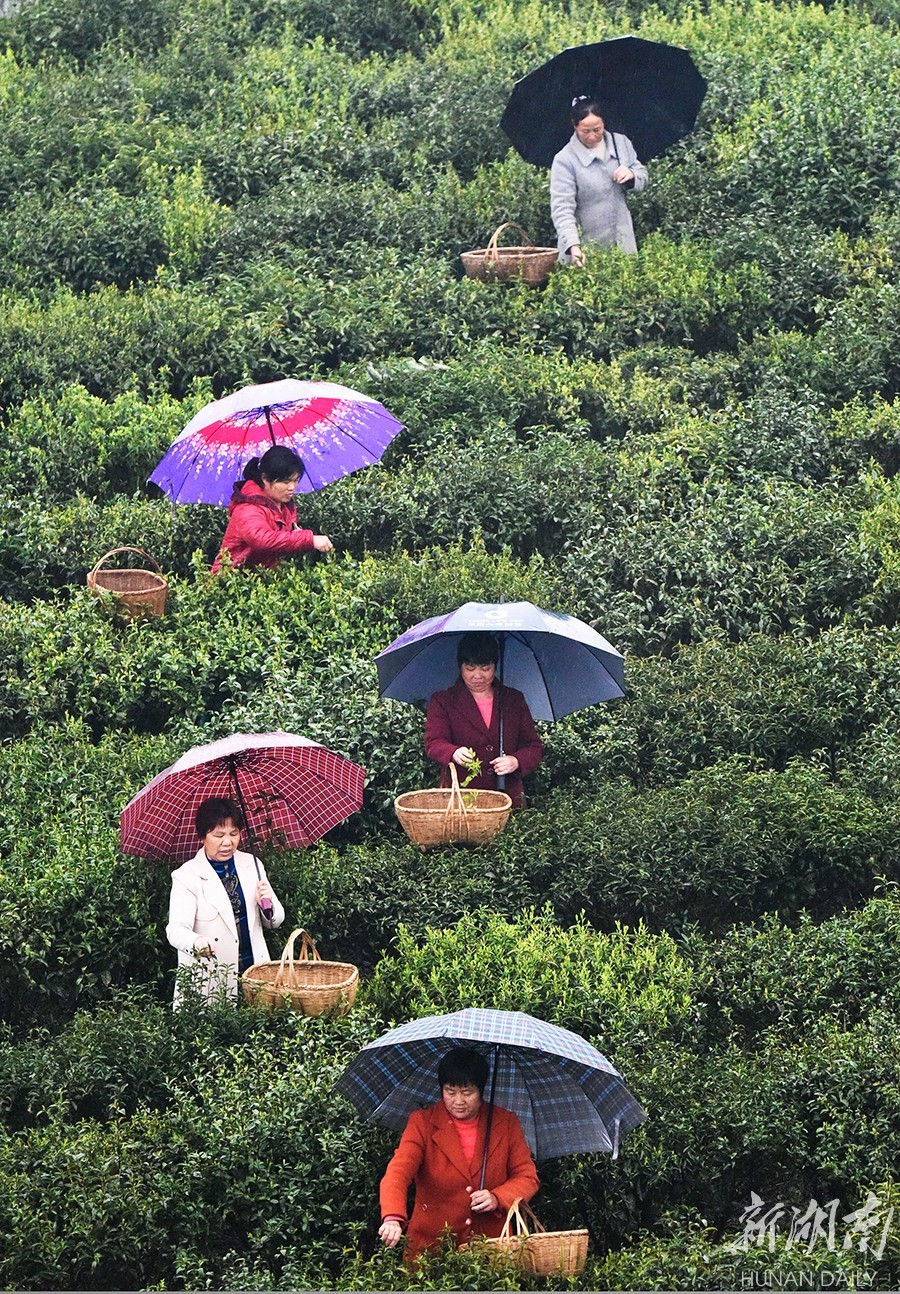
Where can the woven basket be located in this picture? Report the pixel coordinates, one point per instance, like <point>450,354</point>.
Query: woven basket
<point>533,264</point>
<point>139,592</point>
<point>449,816</point>
<point>539,1252</point>
<point>306,984</point>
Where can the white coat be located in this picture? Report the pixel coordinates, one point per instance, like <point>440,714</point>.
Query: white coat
<point>200,912</point>
<point>586,204</point>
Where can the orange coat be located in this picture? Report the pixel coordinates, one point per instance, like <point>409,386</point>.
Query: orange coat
<point>430,1156</point>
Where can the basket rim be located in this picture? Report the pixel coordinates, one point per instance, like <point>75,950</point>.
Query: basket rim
<point>535,1236</point>
<point>260,966</point>
<point>95,580</point>
<point>518,251</point>
<point>505,802</point>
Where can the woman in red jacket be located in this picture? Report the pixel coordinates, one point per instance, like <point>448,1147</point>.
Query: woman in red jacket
<point>441,1154</point>
<point>463,722</point>
<point>262,523</point>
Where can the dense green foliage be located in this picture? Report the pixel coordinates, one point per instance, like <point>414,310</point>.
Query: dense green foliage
<point>695,449</point>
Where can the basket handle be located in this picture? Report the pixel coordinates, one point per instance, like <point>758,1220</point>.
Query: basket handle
<point>456,810</point>
<point>307,946</point>
<point>490,252</point>
<point>113,551</point>
<point>517,1211</point>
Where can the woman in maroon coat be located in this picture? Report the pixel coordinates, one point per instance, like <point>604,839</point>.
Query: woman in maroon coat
<point>441,1154</point>
<point>463,722</point>
<point>262,519</point>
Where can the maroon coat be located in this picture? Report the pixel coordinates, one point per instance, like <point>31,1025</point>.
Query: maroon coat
<point>260,531</point>
<point>430,1156</point>
<point>454,720</point>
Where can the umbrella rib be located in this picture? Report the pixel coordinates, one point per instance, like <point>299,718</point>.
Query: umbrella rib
<point>326,417</point>
<point>422,645</point>
<point>200,448</point>
<point>540,667</point>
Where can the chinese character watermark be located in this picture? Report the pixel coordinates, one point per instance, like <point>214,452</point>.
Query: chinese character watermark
<point>865,1229</point>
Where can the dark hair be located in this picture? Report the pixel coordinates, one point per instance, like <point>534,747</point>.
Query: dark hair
<point>583,106</point>
<point>215,813</point>
<point>277,464</point>
<point>462,1066</point>
<point>477,649</point>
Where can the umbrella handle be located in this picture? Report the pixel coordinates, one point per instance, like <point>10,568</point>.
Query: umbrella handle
<point>501,777</point>
<point>495,1059</point>
<point>265,906</point>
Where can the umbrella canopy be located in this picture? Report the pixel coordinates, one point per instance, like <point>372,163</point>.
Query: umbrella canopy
<point>647,90</point>
<point>559,663</point>
<point>292,789</point>
<point>567,1096</point>
<point>334,430</point>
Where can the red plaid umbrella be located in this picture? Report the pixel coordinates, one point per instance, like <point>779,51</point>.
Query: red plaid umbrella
<point>291,789</point>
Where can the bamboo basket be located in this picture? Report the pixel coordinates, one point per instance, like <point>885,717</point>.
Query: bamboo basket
<point>448,816</point>
<point>306,984</point>
<point>525,261</point>
<point>538,1251</point>
<point>139,592</point>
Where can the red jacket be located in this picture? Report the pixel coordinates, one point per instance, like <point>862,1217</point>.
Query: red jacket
<point>260,531</point>
<point>454,720</point>
<point>430,1156</point>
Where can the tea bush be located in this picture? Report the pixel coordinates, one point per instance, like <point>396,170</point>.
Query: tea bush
<point>61,28</point>
<point>168,1160</point>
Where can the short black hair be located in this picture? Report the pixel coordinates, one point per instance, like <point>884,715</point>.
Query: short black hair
<point>461,1066</point>
<point>477,649</point>
<point>215,812</point>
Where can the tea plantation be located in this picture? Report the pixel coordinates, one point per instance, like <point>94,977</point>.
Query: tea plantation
<point>695,449</point>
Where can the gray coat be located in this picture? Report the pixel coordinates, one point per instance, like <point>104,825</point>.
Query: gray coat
<point>586,203</point>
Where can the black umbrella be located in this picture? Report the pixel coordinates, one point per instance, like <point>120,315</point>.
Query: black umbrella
<point>649,91</point>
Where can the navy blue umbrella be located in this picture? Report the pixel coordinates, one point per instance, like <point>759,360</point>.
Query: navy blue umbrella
<point>647,90</point>
<point>568,1098</point>
<point>559,663</point>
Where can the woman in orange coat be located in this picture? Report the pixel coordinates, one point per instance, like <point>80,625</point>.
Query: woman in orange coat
<point>441,1154</point>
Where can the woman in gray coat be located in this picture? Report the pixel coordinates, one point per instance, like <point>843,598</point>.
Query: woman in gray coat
<point>588,181</point>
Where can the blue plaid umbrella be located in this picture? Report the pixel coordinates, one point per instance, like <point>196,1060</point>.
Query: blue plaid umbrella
<point>569,1099</point>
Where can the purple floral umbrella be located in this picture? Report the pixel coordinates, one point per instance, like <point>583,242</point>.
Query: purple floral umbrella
<point>334,429</point>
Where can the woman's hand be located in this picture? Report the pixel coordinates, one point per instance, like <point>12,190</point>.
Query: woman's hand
<point>576,255</point>
<point>322,544</point>
<point>504,764</point>
<point>263,891</point>
<point>622,174</point>
<point>484,1202</point>
<point>390,1232</point>
<point>205,950</point>
<point>463,755</point>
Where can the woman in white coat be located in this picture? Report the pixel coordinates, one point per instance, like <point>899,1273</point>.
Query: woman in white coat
<point>219,906</point>
<point>588,182</point>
